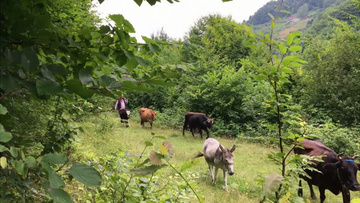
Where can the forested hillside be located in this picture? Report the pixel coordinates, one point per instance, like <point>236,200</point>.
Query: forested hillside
<point>311,17</point>
<point>62,70</point>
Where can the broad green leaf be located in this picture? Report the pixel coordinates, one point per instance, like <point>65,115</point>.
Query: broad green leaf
<point>47,73</point>
<point>55,180</point>
<point>131,64</point>
<point>3,162</point>
<point>29,59</point>
<point>77,87</point>
<point>295,48</point>
<point>3,110</point>
<point>260,77</point>
<point>85,75</point>
<point>273,69</point>
<point>46,167</point>
<point>104,29</point>
<point>30,161</point>
<point>60,196</point>
<point>53,158</point>
<point>14,152</point>
<point>151,2</point>
<point>138,2</point>
<point>106,81</point>
<point>148,143</point>
<point>3,148</point>
<point>19,167</point>
<point>282,48</point>
<point>146,170</point>
<point>5,136</point>
<point>85,174</point>
<point>58,69</point>
<point>286,70</point>
<point>9,83</point>
<point>108,40</point>
<point>118,19</point>
<point>272,24</point>
<point>47,87</point>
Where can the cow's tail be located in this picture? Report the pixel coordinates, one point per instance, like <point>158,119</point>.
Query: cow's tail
<point>197,156</point>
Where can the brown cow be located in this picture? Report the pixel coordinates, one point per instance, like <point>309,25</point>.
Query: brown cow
<point>147,115</point>
<point>337,174</point>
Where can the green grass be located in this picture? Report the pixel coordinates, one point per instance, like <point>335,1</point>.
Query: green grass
<point>103,134</point>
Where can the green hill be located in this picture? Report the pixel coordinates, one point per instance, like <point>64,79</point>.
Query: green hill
<point>312,17</point>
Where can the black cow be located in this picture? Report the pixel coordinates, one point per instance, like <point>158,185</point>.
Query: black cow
<point>338,174</point>
<point>187,117</point>
<point>198,121</point>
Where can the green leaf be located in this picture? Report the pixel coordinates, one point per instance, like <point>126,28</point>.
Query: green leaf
<point>286,70</point>
<point>20,167</point>
<point>3,148</point>
<point>148,143</point>
<point>30,161</point>
<point>106,81</point>
<point>108,40</point>
<point>77,87</point>
<point>3,110</point>
<point>60,196</point>
<point>53,158</point>
<point>5,136</point>
<point>29,59</point>
<point>47,73</point>
<point>146,170</point>
<point>85,75</point>
<point>104,29</point>
<point>47,87</point>
<point>132,63</point>
<point>138,2</point>
<point>85,174</point>
<point>271,16</point>
<point>272,24</point>
<point>55,180</point>
<point>295,48</point>
<point>151,2</point>
<point>14,152</point>
<point>290,38</point>
<point>282,48</point>
<point>9,83</point>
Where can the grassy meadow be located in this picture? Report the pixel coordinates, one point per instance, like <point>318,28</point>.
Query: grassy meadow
<point>103,134</point>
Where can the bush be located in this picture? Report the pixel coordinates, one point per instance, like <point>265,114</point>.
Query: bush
<point>341,140</point>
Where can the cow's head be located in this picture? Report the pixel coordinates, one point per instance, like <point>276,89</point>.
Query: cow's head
<point>347,170</point>
<point>153,114</point>
<point>209,123</point>
<point>228,159</point>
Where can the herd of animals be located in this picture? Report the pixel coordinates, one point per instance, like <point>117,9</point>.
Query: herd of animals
<point>335,173</point>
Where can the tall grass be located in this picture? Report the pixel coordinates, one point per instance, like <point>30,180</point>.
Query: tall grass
<point>103,134</point>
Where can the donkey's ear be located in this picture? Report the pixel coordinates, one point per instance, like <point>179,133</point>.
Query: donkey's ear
<point>222,149</point>
<point>233,149</point>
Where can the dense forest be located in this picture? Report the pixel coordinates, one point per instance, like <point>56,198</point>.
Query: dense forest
<point>60,66</point>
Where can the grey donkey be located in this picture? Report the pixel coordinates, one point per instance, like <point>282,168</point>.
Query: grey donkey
<point>219,157</point>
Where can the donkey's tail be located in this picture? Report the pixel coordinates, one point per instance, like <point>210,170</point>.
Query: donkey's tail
<point>197,156</point>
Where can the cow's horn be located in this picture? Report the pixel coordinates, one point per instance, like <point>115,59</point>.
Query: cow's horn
<point>356,156</point>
